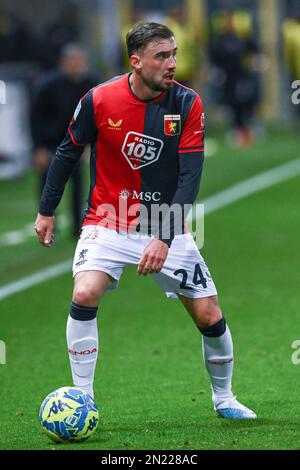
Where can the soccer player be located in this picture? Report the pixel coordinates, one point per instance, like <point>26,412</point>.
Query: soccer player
<point>146,135</point>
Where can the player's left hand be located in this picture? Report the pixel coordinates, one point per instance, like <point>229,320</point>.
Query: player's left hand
<point>153,258</point>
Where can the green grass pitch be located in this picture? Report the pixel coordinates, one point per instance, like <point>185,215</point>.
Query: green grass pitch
<point>151,385</point>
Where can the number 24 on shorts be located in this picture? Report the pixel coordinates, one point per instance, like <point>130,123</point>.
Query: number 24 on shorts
<point>198,277</point>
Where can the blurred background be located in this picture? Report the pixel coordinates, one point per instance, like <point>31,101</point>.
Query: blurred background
<point>239,55</point>
<point>242,57</point>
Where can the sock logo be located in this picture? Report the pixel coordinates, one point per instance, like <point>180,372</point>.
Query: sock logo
<point>86,352</point>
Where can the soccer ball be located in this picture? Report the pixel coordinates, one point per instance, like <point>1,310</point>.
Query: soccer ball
<point>69,414</point>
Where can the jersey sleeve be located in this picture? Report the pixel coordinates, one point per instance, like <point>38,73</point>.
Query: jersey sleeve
<point>82,131</point>
<point>192,137</point>
<point>82,128</point>
<point>190,158</point>
<point>191,155</point>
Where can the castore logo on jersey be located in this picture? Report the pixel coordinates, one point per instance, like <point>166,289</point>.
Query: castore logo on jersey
<point>116,126</point>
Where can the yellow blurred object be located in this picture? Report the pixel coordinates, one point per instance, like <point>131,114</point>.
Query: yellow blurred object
<point>291,42</point>
<point>186,54</point>
<point>124,31</point>
<point>242,23</point>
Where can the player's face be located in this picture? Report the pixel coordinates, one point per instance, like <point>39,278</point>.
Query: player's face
<point>158,64</point>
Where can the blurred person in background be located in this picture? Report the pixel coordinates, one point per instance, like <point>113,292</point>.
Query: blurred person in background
<point>57,93</point>
<point>232,56</point>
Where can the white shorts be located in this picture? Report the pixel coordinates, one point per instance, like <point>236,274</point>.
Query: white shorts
<point>184,271</point>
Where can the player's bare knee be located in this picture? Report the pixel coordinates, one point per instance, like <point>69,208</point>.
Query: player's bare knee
<point>209,311</point>
<point>86,295</point>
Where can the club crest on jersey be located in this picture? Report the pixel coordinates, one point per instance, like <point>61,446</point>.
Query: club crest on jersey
<point>172,124</point>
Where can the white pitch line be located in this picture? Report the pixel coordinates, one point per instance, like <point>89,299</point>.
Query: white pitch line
<point>34,279</point>
<point>213,203</point>
<point>252,185</point>
<point>17,237</point>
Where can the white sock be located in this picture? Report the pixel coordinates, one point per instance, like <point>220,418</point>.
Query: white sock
<point>218,357</point>
<point>82,339</point>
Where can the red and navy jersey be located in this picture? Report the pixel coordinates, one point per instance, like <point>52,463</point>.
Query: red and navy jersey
<point>142,152</point>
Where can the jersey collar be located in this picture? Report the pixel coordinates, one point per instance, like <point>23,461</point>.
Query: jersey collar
<point>155,100</point>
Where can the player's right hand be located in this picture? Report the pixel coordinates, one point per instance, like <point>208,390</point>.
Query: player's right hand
<point>153,257</point>
<point>44,228</point>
